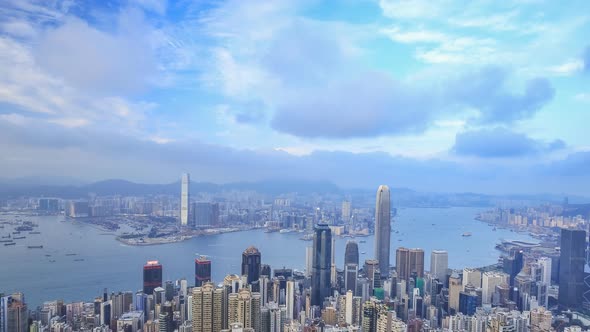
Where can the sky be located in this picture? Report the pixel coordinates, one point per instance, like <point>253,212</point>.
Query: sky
<point>442,96</point>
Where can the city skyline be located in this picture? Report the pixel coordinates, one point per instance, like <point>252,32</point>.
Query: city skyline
<point>212,92</point>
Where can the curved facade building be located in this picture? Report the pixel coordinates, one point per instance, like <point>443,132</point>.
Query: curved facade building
<point>382,228</point>
<point>351,253</point>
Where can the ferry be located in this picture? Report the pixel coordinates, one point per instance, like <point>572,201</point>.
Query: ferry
<point>10,244</point>
<point>363,252</point>
<point>284,231</point>
<point>466,234</point>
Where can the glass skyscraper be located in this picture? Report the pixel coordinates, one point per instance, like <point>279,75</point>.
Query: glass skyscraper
<point>382,228</point>
<point>322,254</point>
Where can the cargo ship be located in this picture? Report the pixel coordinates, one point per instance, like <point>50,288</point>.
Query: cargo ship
<point>10,244</point>
<point>35,247</point>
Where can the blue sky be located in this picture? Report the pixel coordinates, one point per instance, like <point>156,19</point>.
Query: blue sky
<point>486,96</point>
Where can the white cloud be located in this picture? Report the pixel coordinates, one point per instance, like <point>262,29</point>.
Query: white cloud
<point>568,68</point>
<point>413,8</point>
<point>495,22</point>
<point>583,97</point>
<point>418,36</point>
<point>18,28</point>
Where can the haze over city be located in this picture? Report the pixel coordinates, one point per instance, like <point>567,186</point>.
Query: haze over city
<point>447,96</point>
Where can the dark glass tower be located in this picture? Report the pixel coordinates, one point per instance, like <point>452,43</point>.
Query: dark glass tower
<point>571,268</point>
<point>322,255</point>
<point>351,253</point>
<point>251,264</point>
<point>382,228</point>
<point>152,276</point>
<point>202,271</point>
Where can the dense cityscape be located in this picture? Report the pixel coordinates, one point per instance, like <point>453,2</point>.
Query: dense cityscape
<point>540,286</point>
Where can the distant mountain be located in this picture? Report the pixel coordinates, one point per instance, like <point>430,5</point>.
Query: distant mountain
<point>111,187</point>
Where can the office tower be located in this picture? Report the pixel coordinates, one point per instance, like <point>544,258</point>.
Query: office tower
<point>351,253</point>
<point>184,199</point>
<point>166,317</point>
<point>207,310</point>
<point>322,253</point>
<point>471,276</point>
<point>205,214</point>
<point>541,320</point>
<point>308,261</point>
<point>14,314</point>
<point>409,261</point>
<point>439,264</point>
<point>152,276</point>
<point>571,268</point>
<point>251,264</point>
<point>382,228</point>
<point>346,210</point>
<point>169,290</point>
<point>290,299</point>
<point>467,302</point>
<point>350,277</point>
<point>371,267</point>
<point>455,287</point>
<point>265,270</point>
<point>545,263</point>
<point>333,274</point>
<point>513,264</point>
<point>489,281</point>
<point>256,305</point>
<point>202,271</point>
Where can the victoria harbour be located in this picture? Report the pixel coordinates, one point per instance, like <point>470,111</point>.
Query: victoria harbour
<point>79,260</point>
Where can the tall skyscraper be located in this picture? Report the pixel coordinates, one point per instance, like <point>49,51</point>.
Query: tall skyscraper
<point>571,268</point>
<point>290,299</point>
<point>205,214</point>
<point>409,261</point>
<point>439,264</point>
<point>322,254</point>
<point>351,253</point>
<point>346,209</point>
<point>14,314</point>
<point>308,261</point>
<point>152,276</point>
<point>251,264</point>
<point>184,199</point>
<point>382,228</point>
<point>489,281</point>
<point>350,277</point>
<point>202,271</point>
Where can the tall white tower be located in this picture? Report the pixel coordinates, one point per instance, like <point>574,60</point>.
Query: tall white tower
<point>184,198</point>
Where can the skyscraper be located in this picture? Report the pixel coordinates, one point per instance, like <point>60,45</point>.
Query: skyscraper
<point>439,264</point>
<point>382,229</point>
<point>571,268</point>
<point>184,199</point>
<point>351,253</point>
<point>152,276</point>
<point>202,271</point>
<point>251,264</point>
<point>322,254</point>
<point>207,308</point>
<point>409,261</point>
<point>346,211</point>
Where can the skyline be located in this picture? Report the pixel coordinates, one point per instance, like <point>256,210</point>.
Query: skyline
<point>451,96</point>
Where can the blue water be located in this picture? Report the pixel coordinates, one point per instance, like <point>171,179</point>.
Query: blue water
<point>108,263</point>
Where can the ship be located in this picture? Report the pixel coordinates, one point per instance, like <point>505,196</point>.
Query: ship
<point>79,260</point>
<point>2,241</point>
<point>466,234</point>
<point>34,232</point>
<point>283,231</point>
<point>19,237</point>
<point>35,247</point>
<point>70,254</point>
<point>9,244</point>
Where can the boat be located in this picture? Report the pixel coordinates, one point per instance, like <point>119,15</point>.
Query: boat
<point>47,255</point>
<point>52,260</point>
<point>466,234</point>
<point>283,231</point>
<point>2,241</point>
<point>71,254</point>
<point>19,237</point>
<point>9,244</point>
<point>16,232</point>
<point>34,232</point>
<point>362,241</point>
<point>35,247</point>
<point>363,252</point>
<point>79,260</point>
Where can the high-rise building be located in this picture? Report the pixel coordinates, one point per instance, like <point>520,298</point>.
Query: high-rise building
<point>166,317</point>
<point>241,308</point>
<point>322,253</point>
<point>545,263</point>
<point>489,281</point>
<point>290,299</point>
<point>439,264</point>
<point>308,261</point>
<point>571,268</point>
<point>184,199</point>
<point>346,209</point>
<point>541,320</point>
<point>351,253</point>
<point>350,277</point>
<point>408,262</point>
<point>202,271</point>
<point>152,276</point>
<point>472,276</point>
<point>207,308</point>
<point>14,314</point>
<point>382,228</point>
<point>455,288</point>
<point>251,261</point>
<point>205,214</point>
